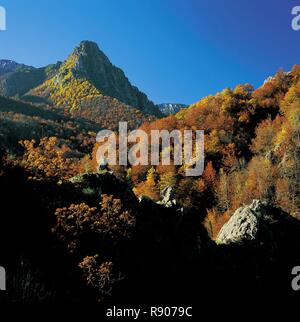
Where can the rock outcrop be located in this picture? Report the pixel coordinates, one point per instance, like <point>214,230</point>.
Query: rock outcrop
<point>167,197</point>
<point>256,250</point>
<point>244,224</point>
<point>259,224</point>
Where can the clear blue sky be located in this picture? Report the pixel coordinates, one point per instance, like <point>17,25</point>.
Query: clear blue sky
<point>173,50</point>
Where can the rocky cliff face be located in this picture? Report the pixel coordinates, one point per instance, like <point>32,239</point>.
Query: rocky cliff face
<point>91,63</point>
<point>88,75</point>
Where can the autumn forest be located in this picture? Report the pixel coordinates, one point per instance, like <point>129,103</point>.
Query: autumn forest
<point>140,234</point>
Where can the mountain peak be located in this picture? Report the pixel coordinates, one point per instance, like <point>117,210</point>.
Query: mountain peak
<point>88,44</point>
<point>7,61</point>
<point>88,62</point>
<point>90,51</point>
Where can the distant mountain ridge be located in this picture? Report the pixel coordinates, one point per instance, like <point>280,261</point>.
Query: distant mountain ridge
<point>17,79</point>
<point>170,108</point>
<point>8,66</point>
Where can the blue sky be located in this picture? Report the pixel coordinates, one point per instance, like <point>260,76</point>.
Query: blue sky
<point>173,50</point>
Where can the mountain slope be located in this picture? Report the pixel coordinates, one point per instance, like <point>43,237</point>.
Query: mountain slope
<point>20,121</point>
<point>251,151</point>
<point>17,79</point>
<point>87,74</point>
<point>78,97</point>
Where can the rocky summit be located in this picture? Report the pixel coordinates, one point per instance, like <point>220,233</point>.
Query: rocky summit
<point>91,63</point>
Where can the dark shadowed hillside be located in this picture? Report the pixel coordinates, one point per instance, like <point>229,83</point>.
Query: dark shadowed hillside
<point>23,121</point>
